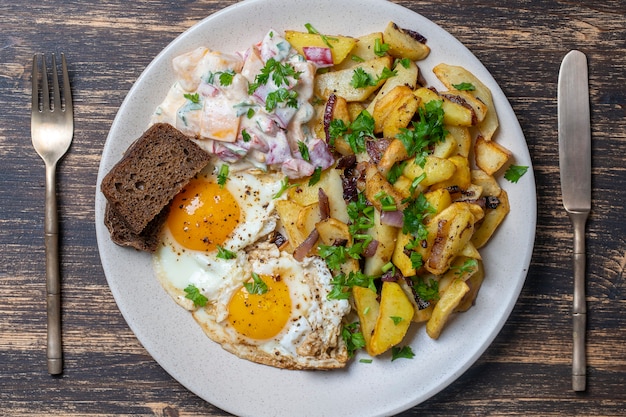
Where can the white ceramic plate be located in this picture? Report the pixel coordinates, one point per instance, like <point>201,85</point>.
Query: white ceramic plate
<point>383,387</point>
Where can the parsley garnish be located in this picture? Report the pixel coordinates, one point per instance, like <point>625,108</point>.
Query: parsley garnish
<point>387,202</point>
<point>401,352</point>
<point>428,130</point>
<point>353,337</point>
<point>284,186</point>
<point>416,260</point>
<point>515,172</point>
<point>304,151</point>
<point>361,128</point>
<point>222,175</point>
<point>361,214</point>
<point>245,135</point>
<point>469,266</point>
<point>257,286</point>
<point>315,177</point>
<point>380,48</point>
<point>362,79</point>
<point>193,293</point>
<point>342,284</point>
<point>427,291</point>
<point>277,71</point>
<point>396,319</point>
<point>282,95</point>
<point>194,98</point>
<point>414,215</point>
<point>464,86</point>
<point>223,253</point>
<point>226,77</point>
<point>395,172</point>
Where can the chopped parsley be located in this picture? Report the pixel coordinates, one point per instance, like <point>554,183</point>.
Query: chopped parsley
<point>278,72</point>
<point>245,135</point>
<point>428,130</point>
<point>315,177</point>
<point>257,286</point>
<point>353,337</point>
<point>309,27</point>
<point>468,267</point>
<point>193,293</point>
<point>284,186</point>
<point>282,95</point>
<point>222,175</point>
<point>387,202</point>
<point>427,291</point>
<point>194,98</point>
<point>404,352</point>
<point>355,134</point>
<point>223,253</point>
<point>396,319</point>
<point>515,172</point>
<point>380,48</point>
<point>304,151</point>
<point>363,79</point>
<point>414,214</point>
<point>342,284</point>
<point>464,86</point>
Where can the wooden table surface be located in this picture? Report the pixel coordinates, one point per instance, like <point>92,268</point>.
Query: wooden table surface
<point>527,369</point>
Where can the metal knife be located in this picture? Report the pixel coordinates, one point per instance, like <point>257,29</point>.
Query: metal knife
<point>575,168</point>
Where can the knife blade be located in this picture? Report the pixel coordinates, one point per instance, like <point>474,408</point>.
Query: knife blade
<point>575,171</point>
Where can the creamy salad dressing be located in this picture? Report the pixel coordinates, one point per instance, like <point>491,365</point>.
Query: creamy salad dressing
<point>212,101</point>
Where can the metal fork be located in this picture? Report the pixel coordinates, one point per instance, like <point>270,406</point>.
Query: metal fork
<point>52,129</point>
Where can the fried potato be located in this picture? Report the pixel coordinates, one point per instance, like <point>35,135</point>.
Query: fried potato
<point>307,218</point>
<point>376,185</point>
<point>330,181</point>
<point>395,152</point>
<point>398,97</point>
<point>453,113</point>
<point>463,139</point>
<point>394,318</point>
<point>340,46</point>
<point>405,76</point>
<point>445,306</point>
<point>341,112</point>
<point>363,50</point>
<point>367,308</point>
<point>386,236</point>
<point>488,183</point>
<point>340,82</point>
<point>491,221</point>
<point>451,75</point>
<point>289,212</point>
<point>474,282</point>
<point>490,156</point>
<point>403,45</point>
<point>436,170</point>
<point>333,231</point>
<point>461,176</point>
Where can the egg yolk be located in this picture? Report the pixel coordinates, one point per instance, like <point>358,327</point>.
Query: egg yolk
<point>203,215</point>
<point>261,316</point>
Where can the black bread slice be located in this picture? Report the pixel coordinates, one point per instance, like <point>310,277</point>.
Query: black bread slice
<point>146,241</point>
<point>152,171</point>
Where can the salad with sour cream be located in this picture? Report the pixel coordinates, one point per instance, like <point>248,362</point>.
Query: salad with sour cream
<point>249,108</point>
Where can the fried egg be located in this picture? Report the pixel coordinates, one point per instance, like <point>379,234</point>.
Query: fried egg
<point>290,323</point>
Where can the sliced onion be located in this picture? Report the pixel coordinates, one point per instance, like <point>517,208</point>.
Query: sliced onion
<point>328,115</point>
<point>370,249</point>
<point>305,247</point>
<point>392,218</point>
<point>324,204</point>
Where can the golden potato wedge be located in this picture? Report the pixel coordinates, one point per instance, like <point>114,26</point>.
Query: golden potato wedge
<point>333,231</point>
<point>394,318</point>
<point>490,156</point>
<point>455,226</point>
<point>330,181</point>
<point>400,116</point>
<point>491,221</point>
<point>400,258</point>
<point>307,218</point>
<point>470,251</point>
<point>451,75</point>
<point>403,45</point>
<point>453,113</point>
<point>406,76</point>
<point>474,282</point>
<point>461,177</point>
<point>466,99</point>
<point>436,170</point>
<point>339,82</point>
<point>340,45</point>
<point>288,212</point>
<point>341,112</point>
<point>403,187</point>
<point>367,308</point>
<point>395,152</point>
<point>488,183</point>
<point>439,200</point>
<point>446,148</point>
<point>363,50</point>
<point>394,99</point>
<point>386,236</point>
<point>377,185</point>
<point>445,306</point>
<point>463,139</point>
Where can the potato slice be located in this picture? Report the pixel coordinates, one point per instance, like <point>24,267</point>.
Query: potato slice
<point>330,181</point>
<point>367,308</point>
<point>491,221</point>
<point>436,170</point>
<point>341,112</point>
<point>463,139</point>
<point>490,156</point>
<point>386,236</point>
<point>445,306</point>
<point>400,117</point>
<point>395,152</point>
<point>466,99</point>
<point>333,231</point>
<point>406,76</point>
<point>453,113</point>
<point>288,212</point>
<point>394,318</point>
<point>339,82</point>
<point>461,177</point>
<point>307,218</point>
<point>403,45</point>
<point>376,185</point>
<point>488,183</point>
<point>363,50</point>
<point>474,282</point>
<point>451,75</point>
<point>341,45</point>
<point>394,99</point>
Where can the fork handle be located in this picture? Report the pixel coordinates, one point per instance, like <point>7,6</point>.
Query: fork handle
<point>53,278</point>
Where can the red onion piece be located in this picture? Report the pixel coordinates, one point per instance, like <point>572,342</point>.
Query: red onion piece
<point>370,249</point>
<point>328,115</point>
<point>305,247</point>
<point>320,56</point>
<point>324,204</point>
<point>392,218</point>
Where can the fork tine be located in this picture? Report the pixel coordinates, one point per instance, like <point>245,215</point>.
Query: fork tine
<point>67,91</point>
<point>45,91</point>
<point>56,93</point>
<point>35,84</point>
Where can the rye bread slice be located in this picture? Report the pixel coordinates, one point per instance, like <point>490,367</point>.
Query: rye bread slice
<point>146,241</point>
<point>152,171</point>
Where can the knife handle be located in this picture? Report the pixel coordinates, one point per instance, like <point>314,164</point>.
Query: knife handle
<point>579,363</point>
